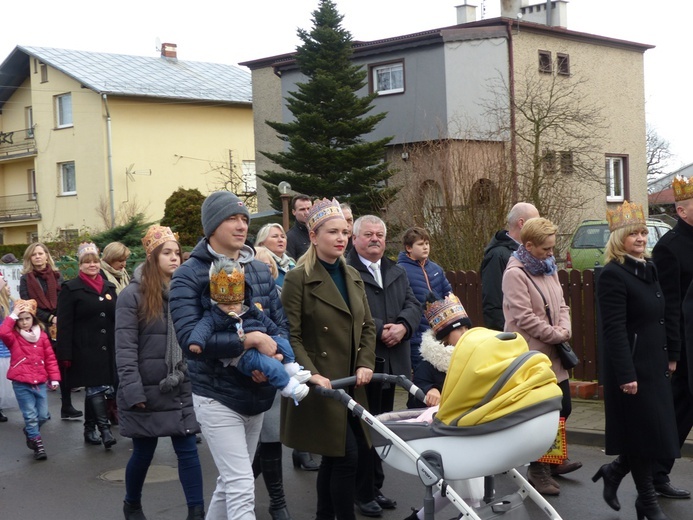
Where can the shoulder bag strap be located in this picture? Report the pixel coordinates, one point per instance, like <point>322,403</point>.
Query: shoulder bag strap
<point>546,305</point>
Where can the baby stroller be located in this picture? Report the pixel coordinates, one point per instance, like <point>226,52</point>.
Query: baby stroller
<point>499,410</point>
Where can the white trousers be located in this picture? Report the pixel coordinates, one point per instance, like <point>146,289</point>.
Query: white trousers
<point>232,439</point>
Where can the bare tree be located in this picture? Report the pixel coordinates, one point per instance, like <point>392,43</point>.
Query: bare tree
<point>658,153</point>
<point>125,212</point>
<point>554,142</point>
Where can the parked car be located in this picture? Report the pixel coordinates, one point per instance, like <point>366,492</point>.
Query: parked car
<point>588,243</point>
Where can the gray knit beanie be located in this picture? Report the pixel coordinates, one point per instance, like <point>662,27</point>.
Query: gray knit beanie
<point>219,206</point>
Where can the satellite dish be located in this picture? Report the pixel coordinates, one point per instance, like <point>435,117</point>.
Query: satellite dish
<point>157,43</point>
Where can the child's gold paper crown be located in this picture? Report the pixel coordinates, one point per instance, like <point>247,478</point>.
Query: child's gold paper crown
<point>323,210</point>
<point>29,304</point>
<point>683,188</point>
<point>157,235</point>
<point>226,282</point>
<point>628,214</point>
<point>442,313</point>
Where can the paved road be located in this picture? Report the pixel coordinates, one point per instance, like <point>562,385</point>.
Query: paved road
<point>80,482</point>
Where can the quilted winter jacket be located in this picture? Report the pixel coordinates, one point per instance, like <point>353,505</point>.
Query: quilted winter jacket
<point>189,298</point>
<point>141,362</point>
<point>31,363</point>
<point>423,279</point>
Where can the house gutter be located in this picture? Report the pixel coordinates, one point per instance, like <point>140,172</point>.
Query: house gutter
<point>109,144</point>
<point>511,95</point>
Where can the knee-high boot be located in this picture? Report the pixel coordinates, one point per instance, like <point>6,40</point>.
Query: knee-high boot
<point>646,505</point>
<point>271,468</point>
<point>612,474</point>
<point>91,436</point>
<point>98,408</point>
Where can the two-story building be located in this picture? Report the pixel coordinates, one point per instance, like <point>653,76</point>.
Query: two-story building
<point>86,137</point>
<point>441,86</point>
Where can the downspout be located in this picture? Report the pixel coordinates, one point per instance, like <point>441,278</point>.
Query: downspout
<point>109,144</point>
<point>511,95</point>
<point>548,13</point>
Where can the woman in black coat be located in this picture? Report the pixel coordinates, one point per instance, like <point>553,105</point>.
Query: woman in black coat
<point>154,391</point>
<point>85,346</point>
<point>639,407</point>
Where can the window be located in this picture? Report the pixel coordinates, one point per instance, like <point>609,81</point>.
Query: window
<point>249,179</point>
<point>563,64</point>
<point>68,181</point>
<point>69,234</point>
<point>483,193</point>
<point>44,73</point>
<point>566,163</point>
<point>31,184</point>
<point>29,122</point>
<point>387,78</point>
<point>63,110</point>
<point>545,62</point>
<point>616,178</point>
<point>31,237</point>
<point>549,163</point>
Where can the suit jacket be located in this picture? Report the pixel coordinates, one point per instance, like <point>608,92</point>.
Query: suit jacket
<point>331,339</point>
<point>393,303</point>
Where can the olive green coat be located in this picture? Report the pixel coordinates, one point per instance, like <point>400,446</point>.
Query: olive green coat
<point>331,339</point>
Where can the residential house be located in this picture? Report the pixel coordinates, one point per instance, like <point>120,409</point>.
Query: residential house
<point>88,136</point>
<point>661,194</point>
<point>437,86</point>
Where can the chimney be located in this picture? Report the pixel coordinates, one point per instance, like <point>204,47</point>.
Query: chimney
<point>466,13</point>
<point>168,50</point>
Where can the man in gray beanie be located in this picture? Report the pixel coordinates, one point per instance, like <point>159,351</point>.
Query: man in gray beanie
<point>229,405</point>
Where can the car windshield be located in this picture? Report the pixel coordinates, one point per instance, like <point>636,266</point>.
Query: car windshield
<point>591,236</point>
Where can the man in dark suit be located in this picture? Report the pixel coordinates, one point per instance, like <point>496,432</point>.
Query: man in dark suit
<point>297,239</point>
<point>396,313</point>
<point>673,256</point>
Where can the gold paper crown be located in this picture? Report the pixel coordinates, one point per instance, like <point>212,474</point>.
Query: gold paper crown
<point>628,214</point>
<point>683,188</point>
<point>87,248</point>
<point>29,304</point>
<point>157,235</point>
<point>442,313</point>
<point>323,210</point>
<point>226,282</point>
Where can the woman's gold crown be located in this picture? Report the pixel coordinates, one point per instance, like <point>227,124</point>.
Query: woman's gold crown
<point>683,188</point>
<point>627,214</point>
<point>157,235</point>
<point>323,210</point>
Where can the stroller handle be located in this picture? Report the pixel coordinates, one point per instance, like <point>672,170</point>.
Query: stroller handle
<point>345,382</point>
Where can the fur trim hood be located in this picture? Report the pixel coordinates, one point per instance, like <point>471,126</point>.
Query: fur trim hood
<point>435,352</point>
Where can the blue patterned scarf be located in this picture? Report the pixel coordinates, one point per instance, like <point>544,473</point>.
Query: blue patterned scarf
<point>533,265</point>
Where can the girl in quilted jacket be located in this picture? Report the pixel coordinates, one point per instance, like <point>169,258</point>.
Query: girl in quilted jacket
<point>32,367</point>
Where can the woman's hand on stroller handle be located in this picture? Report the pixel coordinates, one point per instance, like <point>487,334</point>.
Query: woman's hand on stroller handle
<point>363,376</point>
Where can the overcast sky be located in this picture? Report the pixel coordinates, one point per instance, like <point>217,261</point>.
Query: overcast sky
<point>232,31</point>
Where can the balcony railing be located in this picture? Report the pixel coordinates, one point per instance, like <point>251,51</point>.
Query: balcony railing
<point>19,207</point>
<point>17,143</point>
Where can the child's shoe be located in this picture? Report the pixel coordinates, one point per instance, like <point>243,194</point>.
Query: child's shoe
<point>39,450</point>
<point>297,372</point>
<point>295,390</point>
<point>29,442</point>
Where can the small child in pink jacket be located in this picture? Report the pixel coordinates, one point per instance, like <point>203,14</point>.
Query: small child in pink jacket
<point>32,366</point>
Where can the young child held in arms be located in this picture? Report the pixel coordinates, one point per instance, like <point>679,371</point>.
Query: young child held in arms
<point>32,365</point>
<point>229,312</point>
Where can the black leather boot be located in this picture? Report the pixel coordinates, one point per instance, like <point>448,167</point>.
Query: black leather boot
<point>133,511</point>
<point>91,434</point>
<point>646,505</point>
<point>98,408</point>
<point>196,513</point>
<point>304,460</point>
<point>612,474</point>
<point>271,468</point>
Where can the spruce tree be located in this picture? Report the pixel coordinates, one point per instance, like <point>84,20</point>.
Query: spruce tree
<point>182,213</point>
<point>327,155</point>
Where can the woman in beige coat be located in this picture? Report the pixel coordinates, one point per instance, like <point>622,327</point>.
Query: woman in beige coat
<point>530,282</point>
<point>333,336</point>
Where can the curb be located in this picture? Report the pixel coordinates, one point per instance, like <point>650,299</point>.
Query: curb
<point>584,437</point>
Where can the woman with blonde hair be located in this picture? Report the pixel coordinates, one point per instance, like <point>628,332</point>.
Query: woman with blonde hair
<point>333,336</point>
<point>41,281</point>
<point>638,402</point>
<point>533,306</point>
<point>272,237</point>
<point>113,260</point>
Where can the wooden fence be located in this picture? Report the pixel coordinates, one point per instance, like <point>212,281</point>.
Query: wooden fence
<point>579,293</point>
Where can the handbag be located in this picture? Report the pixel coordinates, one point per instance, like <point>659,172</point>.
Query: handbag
<point>566,353</point>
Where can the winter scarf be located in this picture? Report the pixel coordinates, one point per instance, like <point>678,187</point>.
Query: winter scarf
<point>533,265</point>
<point>48,300</point>
<point>175,368</point>
<point>120,278</point>
<point>94,283</point>
<point>284,262</point>
<point>32,335</point>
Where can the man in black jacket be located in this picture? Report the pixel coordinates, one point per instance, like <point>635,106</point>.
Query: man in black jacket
<point>396,313</point>
<point>496,256</point>
<point>673,256</point>
<point>297,239</point>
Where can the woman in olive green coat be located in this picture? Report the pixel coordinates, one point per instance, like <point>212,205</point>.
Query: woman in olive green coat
<point>333,336</point>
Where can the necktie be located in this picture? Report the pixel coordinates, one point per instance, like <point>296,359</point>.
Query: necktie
<point>376,274</point>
